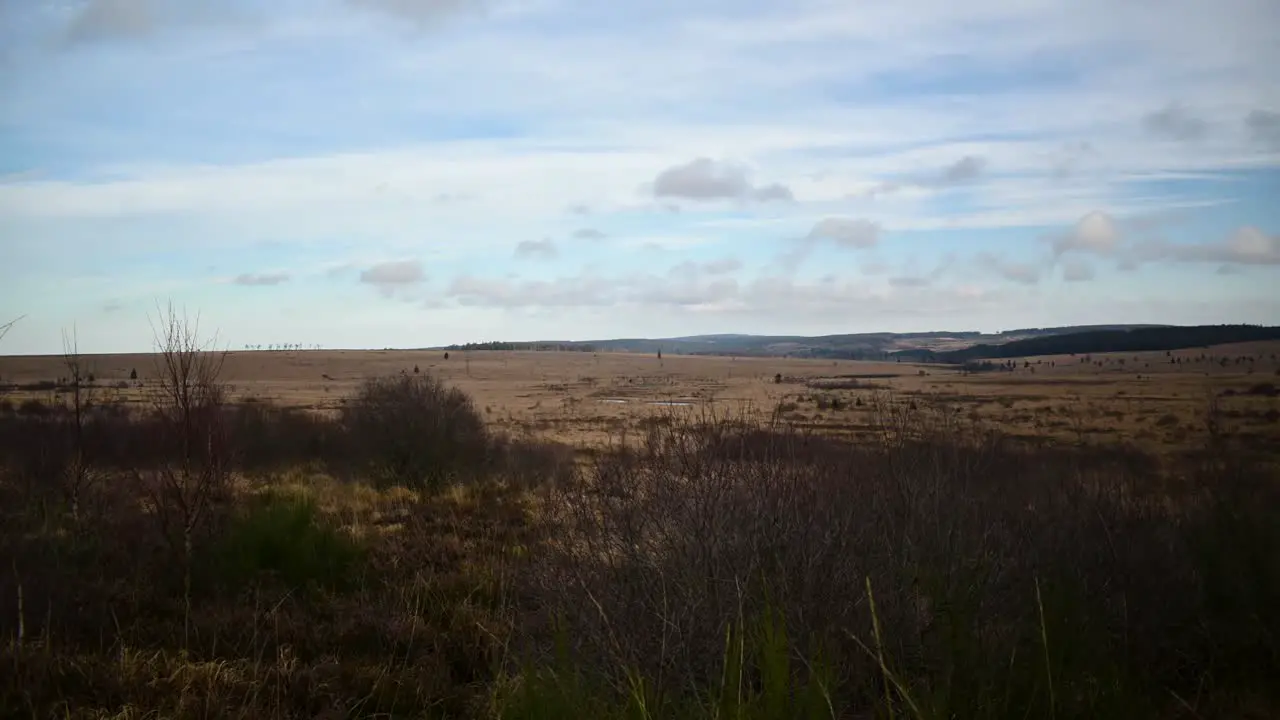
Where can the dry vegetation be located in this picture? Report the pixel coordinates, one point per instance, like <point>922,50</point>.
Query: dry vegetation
<point>334,534</point>
<point>1157,400</point>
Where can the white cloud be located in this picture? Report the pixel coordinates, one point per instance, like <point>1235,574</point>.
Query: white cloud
<point>1077,270</point>
<point>722,266</point>
<point>1175,122</point>
<point>1019,272</point>
<point>393,277</point>
<point>1264,128</point>
<point>1094,233</point>
<point>846,232</point>
<point>111,20</point>
<point>706,179</point>
<point>963,170</point>
<point>256,279</point>
<point>692,288</point>
<point>771,192</point>
<point>419,11</point>
<point>1246,246</point>
<point>906,281</point>
<point>1099,234</point>
<point>589,234</point>
<point>702,179</point>
<point>543,249</point>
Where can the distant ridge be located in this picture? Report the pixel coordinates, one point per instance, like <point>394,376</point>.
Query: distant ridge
<point>1138,339</point>
<point>949,346</point>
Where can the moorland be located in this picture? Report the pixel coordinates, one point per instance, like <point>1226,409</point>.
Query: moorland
<point>396,533</point>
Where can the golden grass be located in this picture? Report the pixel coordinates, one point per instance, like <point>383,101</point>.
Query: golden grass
<point>587,398</point>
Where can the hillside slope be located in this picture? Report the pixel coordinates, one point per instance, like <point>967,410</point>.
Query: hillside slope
<point>1102,341</point>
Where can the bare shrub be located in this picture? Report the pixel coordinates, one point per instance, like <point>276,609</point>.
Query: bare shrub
<point>414,431</point>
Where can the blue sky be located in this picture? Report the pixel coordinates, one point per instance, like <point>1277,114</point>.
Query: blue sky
<point>371,173</point>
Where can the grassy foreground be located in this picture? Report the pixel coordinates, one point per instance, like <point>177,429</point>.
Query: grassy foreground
<point>203,560</point>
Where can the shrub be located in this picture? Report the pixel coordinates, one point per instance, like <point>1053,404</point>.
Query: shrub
<point>282,536</point>
<point>269,437</point>
<point>414,431</point>
<point>34,408</point>
<point>1264,390</point>
<point>829,402</point>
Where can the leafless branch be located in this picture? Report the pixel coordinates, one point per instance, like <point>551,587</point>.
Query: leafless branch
<point>4,329</point>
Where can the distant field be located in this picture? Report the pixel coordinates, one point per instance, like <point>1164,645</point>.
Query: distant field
<point>1156,399</point>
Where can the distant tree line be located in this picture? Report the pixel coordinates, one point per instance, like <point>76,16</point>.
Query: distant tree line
<point>524,346</point>
<point>1104,341</point>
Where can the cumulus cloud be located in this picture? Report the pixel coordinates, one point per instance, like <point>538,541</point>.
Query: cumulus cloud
<point>688,287</point>
<point>111,20</point>
<point>690,269</point>
<point>420,12</point>
<point>963,170</point>
<point>1077,270</point>
<point>773,191</point>
<point>1175,122</point>
<point>258,280</point>
<point>916,280</point>
<point>722,266</point>
<point>1264,128</point>
<point>1094,233</point>
<point>99,20</point>
<point>588,234</point>
<point>339,269</point>
<point>543,249</point>
<point>390,277</point>
<point>124,20</point>
<point>909,281</point>
<point>1099,234</point>
<point>1024,273</point>
<point>1246,246</point>
<point>580,291</point>
<point>706,179</point>
<point>1072,155</point>
<point>846,232</point>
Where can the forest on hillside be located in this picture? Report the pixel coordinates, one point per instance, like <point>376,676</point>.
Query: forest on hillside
<point>1101,341</point>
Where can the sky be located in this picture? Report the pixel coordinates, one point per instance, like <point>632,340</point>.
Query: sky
<point>407,173</point>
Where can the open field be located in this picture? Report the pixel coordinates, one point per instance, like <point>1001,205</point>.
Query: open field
<point>1156,399</point>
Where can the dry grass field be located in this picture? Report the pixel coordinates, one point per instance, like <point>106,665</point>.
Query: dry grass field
<point>1158,400</point>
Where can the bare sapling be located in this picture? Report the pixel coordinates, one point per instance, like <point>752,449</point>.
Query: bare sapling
<point>188,398</point>
<point>78,476</point>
